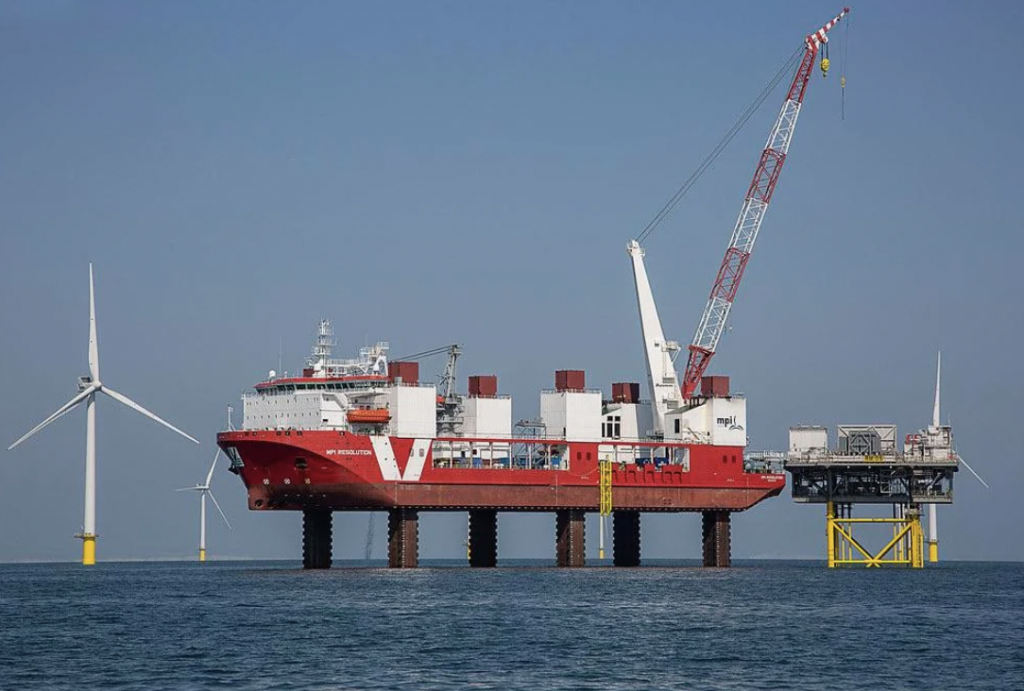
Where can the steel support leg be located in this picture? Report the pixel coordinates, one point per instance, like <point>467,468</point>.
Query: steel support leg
<point>830,534</point>
<point>483,538</point>
<point>570,537</point>
<point>716,538</point>
<point>626,538</point>
<point>403,538</point>
<point>316,539</point>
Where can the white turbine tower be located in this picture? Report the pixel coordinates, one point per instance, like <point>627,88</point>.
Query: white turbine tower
<point>88,387</point>
<point>204,490</point>
<point>936,429</point>
<point>933,525</point>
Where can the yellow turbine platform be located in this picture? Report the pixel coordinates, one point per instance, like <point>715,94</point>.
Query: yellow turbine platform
<point>88,548</point>
<point>905,548</point>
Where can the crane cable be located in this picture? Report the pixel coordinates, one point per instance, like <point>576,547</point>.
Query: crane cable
<point>426,353</point>
<point>720,146</point>
<point>842,69</point>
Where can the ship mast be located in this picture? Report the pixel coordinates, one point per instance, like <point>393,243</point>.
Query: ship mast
<point>322,348</point>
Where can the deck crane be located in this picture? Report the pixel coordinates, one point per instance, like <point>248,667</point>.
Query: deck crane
<point>759,194</point>
<point>446,385</point>
<point>449,403</point>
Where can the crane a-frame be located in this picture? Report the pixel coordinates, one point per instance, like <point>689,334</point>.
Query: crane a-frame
<point>666,393</point>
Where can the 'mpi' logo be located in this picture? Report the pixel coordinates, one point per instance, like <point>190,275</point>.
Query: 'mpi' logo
<point>729,422</point>
<point>410,468</point>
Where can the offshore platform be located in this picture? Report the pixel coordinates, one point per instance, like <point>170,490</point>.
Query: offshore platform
<point>867,468</point>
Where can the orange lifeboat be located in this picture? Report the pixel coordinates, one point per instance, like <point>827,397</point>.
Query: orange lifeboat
<point>371,416</point>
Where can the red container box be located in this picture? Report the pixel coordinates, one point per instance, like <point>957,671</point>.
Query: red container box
<point>483,385</point>
<point>626,392</point>
<point>570,380</point>
<point>714,387</point>
<point>406,372</point>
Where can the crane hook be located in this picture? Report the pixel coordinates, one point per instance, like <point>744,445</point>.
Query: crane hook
<point>825,62</point>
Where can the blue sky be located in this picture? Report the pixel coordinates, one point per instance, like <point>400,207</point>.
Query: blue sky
<point>430,173</point>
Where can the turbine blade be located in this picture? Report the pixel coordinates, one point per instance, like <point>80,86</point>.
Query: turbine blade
<point>57,414</point>
<point>188,489</point>
<point>219,509</point>
<point>974,473</point>
<point>94,349</point>
<point>121,398</point>
<point>209,475</point>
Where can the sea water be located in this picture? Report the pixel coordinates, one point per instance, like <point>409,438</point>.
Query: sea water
<point>670,625</point>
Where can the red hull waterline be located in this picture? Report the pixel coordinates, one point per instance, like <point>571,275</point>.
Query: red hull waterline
<point>293,470</point>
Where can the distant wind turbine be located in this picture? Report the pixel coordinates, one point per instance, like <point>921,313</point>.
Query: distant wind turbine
<point>204,490</point>
<point>933,525</point>
<point>933,521</point>
<point>88,387</point>
<point>368,548</point>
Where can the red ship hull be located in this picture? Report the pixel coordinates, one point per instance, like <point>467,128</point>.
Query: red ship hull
<point>319,469</point>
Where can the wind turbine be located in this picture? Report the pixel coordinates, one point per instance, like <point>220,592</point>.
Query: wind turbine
<point>88,387</point>
<point>204,490</point>
<point>933,526</point>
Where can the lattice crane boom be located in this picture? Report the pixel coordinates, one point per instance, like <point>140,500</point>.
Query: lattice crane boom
<point>759,194</point>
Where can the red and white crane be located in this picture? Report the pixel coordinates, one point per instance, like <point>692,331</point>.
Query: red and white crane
<point>759,195</point>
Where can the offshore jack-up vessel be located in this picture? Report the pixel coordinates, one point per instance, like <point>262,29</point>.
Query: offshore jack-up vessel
<point>366,434</point>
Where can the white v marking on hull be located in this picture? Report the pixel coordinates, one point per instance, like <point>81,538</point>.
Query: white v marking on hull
<point>388,462</point>
<point>385,458</point>
<point>417,459</point>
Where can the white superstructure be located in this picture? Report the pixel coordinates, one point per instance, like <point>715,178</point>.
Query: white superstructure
<point>413,410</point>
<point>626,421</point>
<point>717,421</point>
<point>572,415</point>
<point>367,395</point>
<point>354,394</point>
<point>487,416</point>
<point>804,438</point>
